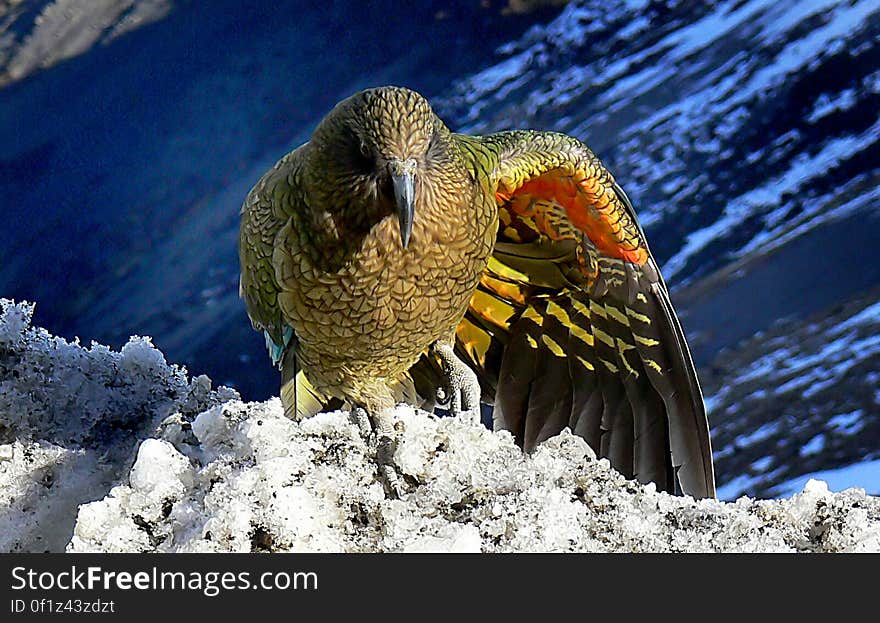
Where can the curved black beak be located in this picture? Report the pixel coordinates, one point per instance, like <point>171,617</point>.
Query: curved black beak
<point>403,179</point>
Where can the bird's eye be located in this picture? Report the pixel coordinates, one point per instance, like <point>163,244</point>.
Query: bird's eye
<point>362,156</point>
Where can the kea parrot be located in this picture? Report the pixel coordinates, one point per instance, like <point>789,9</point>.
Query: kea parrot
<point>389,259</point>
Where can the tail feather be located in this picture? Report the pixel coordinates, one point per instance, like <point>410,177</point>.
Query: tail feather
<point>298,397</point>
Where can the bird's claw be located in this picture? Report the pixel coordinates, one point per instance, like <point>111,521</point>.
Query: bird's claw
<point>360,417</point>
<point>379,434</point>
<point>462,391</point>
<point>385,449</point>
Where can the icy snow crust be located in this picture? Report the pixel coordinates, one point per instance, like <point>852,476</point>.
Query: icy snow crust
<point>71,419</point>
<point>118,451</point>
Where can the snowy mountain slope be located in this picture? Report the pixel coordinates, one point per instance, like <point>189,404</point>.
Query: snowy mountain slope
<point>35,35</point>
<point>819,412</point>
<point>798,375</point>
<point>144,459</point>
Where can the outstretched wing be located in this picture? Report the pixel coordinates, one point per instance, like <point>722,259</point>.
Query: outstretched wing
<point>572,323</point>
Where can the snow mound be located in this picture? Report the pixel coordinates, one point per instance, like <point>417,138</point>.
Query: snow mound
<point>257,481</point>
<point>70,422</point>
<point>154,462</point>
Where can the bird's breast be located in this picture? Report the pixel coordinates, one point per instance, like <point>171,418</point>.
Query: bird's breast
<point>379,306</point>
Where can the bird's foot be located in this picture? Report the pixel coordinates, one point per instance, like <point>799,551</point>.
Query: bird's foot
<point>360,417</point>
<point>391,479</point>
<point>380,434</point>
<point>462,392</point>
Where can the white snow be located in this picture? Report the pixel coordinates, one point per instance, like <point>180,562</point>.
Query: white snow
<point>764,432</point>
<point>826,104</point>
<point>847,423</point>
<point>264,482</point>
<point>71,419</point>
<point>164,464</point>
<point>814,445</point>
<point>839,479</point>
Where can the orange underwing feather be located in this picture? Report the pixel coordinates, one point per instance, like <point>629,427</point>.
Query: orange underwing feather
<point>589,206</point>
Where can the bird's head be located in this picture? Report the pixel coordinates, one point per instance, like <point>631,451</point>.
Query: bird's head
<point>383,151</point>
